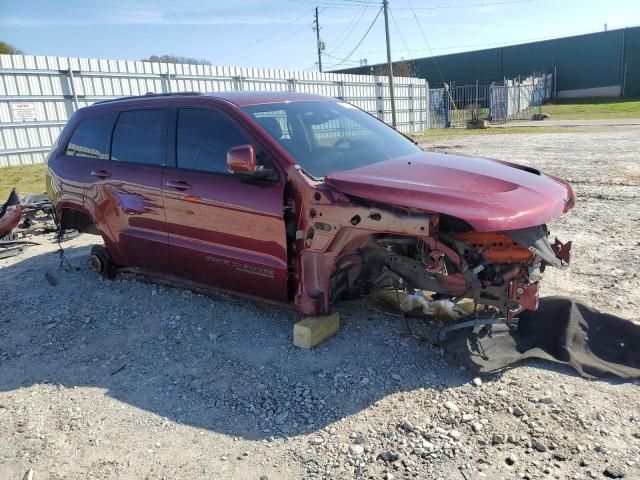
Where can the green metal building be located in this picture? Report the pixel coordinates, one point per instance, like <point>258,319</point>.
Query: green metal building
<point>592,65</point>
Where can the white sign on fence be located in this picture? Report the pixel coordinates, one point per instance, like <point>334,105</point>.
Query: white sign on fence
<point>23,112</point>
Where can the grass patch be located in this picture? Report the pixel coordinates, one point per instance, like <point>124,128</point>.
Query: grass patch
<point>26,178</point>
<point>593,108</point>
<point>457,132</point>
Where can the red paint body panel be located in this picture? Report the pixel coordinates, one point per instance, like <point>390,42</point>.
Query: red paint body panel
<point>488,194</point>
<point>220,228</point>
<point>129,212</point>
<point>10,219</point>
<point>252,237</point>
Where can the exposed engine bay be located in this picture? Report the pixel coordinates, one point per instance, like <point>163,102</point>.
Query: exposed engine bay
<point>494,269</point>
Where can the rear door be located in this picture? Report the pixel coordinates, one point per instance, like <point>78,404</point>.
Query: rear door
<point>86,151</point>
<point>223,230</point>
<point>126,191</point>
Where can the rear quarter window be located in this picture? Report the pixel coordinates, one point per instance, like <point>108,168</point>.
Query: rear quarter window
<point>91,137</point>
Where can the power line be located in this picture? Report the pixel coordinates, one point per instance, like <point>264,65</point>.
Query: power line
<point>350,27</point>
<point>277,30</point>
<point>332,4</point>
<point>361,40</point>
<point>295,32</point>
<point>357,4</point>
<point>426,41</point>
<point>339,58</point>
<point>505,43</point>
<point>468,5</point>
<point>406,46</point>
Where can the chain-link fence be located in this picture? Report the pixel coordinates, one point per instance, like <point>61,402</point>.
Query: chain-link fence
<point>520,99</point>
<point>515,99</point>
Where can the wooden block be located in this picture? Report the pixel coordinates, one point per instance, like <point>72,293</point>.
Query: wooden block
<point>311,331</point>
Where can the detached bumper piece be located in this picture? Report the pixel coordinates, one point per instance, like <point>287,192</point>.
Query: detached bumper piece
<point>10,214</point>
<point>536,240</point>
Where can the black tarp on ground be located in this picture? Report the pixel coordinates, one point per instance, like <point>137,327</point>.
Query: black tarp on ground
<point>562,330</point>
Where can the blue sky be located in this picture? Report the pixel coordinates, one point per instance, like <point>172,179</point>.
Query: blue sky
<point>278,33</point>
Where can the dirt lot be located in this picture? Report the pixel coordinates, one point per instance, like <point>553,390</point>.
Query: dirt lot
<point>126,380</point>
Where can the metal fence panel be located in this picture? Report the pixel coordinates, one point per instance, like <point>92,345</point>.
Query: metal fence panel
<point>39,94</point>
<point>438,108</point>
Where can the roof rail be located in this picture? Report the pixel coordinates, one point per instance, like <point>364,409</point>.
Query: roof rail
<point>147,95</point>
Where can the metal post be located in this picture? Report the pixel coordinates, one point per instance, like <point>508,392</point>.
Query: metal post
<point>340,85</point>
<point>447,106</point>
<point>72,87</point>
<point>379,99</point>
<point>167,83</point>
<point>477,99</point>
<point>491,102</point>
<point>318,42</point>
<point>623,62</point>
<point>425,104</point>
<point>385,5</point>
<point>411,108</point>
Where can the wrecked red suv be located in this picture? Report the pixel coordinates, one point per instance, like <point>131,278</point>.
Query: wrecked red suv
<point>300,200</point>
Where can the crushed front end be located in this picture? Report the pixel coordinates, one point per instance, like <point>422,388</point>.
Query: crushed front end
<point>346,249</point>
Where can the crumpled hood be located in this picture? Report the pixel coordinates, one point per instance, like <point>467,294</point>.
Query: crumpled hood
<point>490,195</point>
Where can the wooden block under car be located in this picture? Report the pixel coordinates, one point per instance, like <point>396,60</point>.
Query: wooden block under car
<point>311,331</point>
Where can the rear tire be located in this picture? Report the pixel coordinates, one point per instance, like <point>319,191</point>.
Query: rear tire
<point>101,262</point>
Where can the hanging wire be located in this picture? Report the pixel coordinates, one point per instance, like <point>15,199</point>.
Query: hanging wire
<point>277,30</point>
<point>406,46</point>
<point>361,40</point>
<point>349,28</point>
<point>292,34</point>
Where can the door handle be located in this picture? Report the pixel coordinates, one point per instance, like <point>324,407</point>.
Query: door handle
<point>100,173</point>
<point>179,185</point>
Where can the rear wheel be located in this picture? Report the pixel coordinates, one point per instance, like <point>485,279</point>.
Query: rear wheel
<point>101,262</point>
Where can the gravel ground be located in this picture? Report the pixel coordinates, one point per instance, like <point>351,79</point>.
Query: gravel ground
<point>128,380</point>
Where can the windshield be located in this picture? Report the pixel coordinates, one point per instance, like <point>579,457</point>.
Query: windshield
<point>326,137</point>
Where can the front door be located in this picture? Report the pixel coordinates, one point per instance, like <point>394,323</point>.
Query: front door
<point>223,230</point>
<point>126,191</point>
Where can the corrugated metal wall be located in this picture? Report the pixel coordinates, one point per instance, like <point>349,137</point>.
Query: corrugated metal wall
<point>587,61</point>
<point>582,62</point>
<point>57,86</point>
<point>632,62</point>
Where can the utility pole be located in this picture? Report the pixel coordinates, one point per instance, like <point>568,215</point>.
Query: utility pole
<point>385,5</point>
<point>318,41</point>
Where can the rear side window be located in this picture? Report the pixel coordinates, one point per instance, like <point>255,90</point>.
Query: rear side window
<point>140,137</point>
<point>91,137</point>
<point>203,139</point>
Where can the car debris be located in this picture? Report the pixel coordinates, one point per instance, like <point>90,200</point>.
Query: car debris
<point>10,213</point>
<point>22,219</point>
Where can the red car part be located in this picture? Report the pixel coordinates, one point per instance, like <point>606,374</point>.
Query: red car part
<point>10,213</point>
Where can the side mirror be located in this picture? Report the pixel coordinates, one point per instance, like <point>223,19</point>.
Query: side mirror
<point>241,159</point>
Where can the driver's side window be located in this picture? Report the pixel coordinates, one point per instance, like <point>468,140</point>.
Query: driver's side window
<point>203,138</point>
